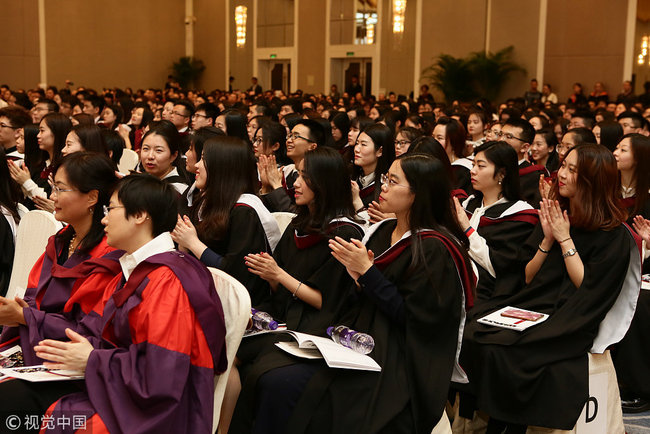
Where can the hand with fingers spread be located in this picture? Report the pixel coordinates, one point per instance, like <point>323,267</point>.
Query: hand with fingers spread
<point>264,266</point>
<point>461,215</point>
<point>353,255</point>
<point>642,227</point>
<point>72,355</point>
<point>375,214</point>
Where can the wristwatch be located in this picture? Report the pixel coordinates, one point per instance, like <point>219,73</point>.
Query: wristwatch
<point>569,252</point>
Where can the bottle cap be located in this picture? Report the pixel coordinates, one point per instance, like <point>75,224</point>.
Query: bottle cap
<point>273,325</point>
<point>329,331</point>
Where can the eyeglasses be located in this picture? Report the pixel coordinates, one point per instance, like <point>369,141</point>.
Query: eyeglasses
<point>258,140</point>
<point>400,143</point>
<point>108,209</point>
<point>385,180</point>
<point>3,125</point>
<point>180,114</point>
<point>508,136</point>
<point>198,115</point>
<point>57,190</point>
<point>294,136</point>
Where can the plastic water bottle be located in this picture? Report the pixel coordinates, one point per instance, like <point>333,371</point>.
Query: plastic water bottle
<point>359,342</point>
<point>263,321</point>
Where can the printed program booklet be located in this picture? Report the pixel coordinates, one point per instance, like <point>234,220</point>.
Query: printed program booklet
<point>335,355</point>
<point>38,373</point>
<point>514,318</point>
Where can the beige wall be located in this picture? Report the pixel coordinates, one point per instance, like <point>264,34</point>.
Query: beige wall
<point>210,42</point>
<point>19,57</point>
<point>241,58</point>
<point>311,46</point>
<point>455,27</point>
<point>125,43</point>
<point>397,51</point>
<point>516,22</point>
<point>133,43</point>
<point>585,42</point>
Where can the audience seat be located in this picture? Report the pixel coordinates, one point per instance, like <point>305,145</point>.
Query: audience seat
<point>34,230</point>
<point>236,305</point>
<point>283,219</point>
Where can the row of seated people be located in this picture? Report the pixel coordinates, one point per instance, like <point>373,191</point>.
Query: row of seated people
<point>228,226</point>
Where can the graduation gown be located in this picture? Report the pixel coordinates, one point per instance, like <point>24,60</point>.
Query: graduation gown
<point>416,348</point>
<point>462,178</point>
<point>529,182</point>
<point>7,249</point>
<point>164,340</point>
<point>250,230</point>
<point>283,199</point>
<point>369,193</point>
<point>504,227</point>
<point>631,356</point>
<point>540,376</point>
<point>61,296</point>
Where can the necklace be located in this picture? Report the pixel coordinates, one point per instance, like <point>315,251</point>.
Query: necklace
<point>71,247</point>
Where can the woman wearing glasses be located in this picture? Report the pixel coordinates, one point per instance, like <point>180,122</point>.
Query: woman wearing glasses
<point>405,138</point>
<point>414,275</point>
<point>69,279</point>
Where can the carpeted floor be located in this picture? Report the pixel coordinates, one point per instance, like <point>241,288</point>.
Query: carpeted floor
<point>637,423</point>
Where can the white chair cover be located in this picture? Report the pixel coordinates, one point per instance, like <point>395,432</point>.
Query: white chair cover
<point>236,305</point>
<point>283,219</point>
<point>128,161</point>
<point>34,230</point>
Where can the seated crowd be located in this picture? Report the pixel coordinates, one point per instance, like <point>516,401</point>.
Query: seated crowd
<point>411,222</point>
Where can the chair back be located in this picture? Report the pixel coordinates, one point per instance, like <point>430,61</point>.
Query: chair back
<point>34,229</point>
<point>283,219</point>
<point>128,161</point>
<point>236,305</point>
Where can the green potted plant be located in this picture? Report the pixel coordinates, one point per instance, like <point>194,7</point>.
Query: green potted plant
<point>187,70</point>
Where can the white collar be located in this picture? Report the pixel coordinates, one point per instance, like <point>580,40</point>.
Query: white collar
<point>162,243</point>
<point>522,161</point>
<point>174,172</point>
<point>182,130</point>
<point>367,180</point>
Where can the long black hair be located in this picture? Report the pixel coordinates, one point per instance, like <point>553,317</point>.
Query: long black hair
<point>382,138</point>
<point>231,171</point>
<point>10,193</point>
<point>60,126</point>
<point>236,124</point>
<point>432,205</point>
<point>325,173</point>
<point>87,171</point>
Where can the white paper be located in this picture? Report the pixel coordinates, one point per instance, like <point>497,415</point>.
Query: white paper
<point>497,320</point>
<point>40,373</point>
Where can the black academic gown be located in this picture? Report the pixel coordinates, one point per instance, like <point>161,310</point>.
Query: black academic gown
<point>282,198</point>
<point>631,356</point>
<point>529,182</point>
<point>505,229</point>
<point>245,235</point>
<point>540,376</point>
<point>462,177</point>
<point>415,332</point>
<point>6,254</point>
<point>307,258</point>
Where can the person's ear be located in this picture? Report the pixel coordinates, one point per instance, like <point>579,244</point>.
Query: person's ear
<point>140,217</point>
<point>379,152</point>
<point>92,197</point>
